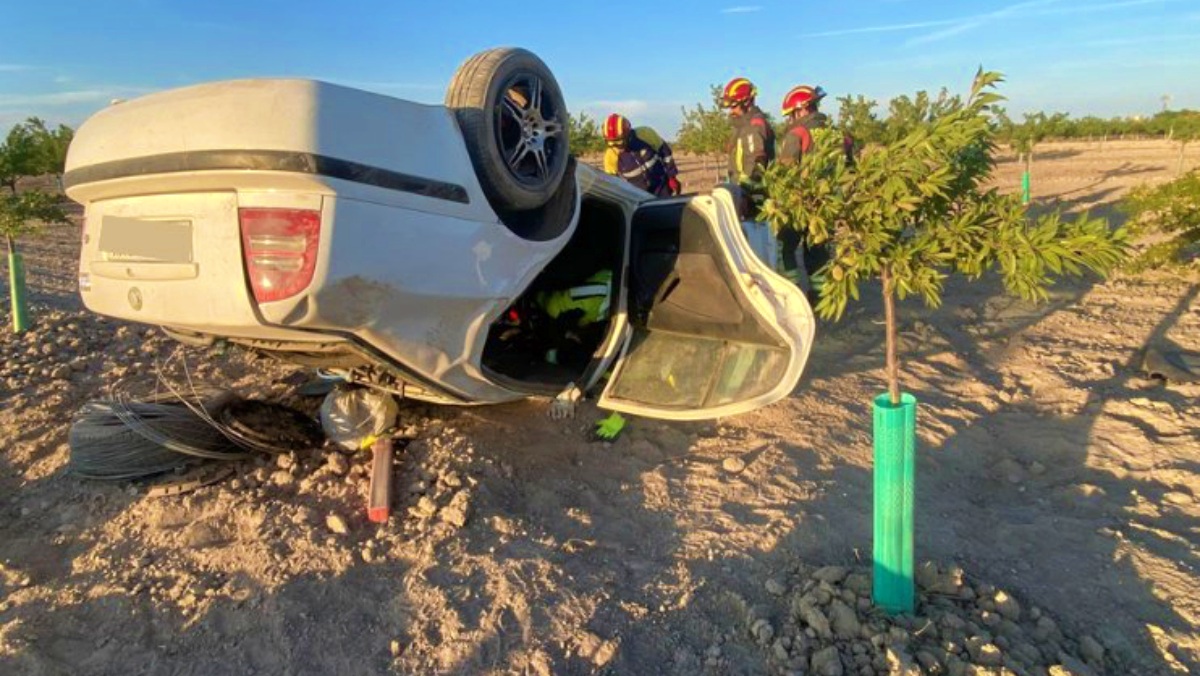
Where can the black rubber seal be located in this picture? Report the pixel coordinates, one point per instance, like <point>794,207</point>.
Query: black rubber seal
<point>266,160</point>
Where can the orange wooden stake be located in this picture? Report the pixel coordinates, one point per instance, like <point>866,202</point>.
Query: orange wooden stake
<point>379,507</point>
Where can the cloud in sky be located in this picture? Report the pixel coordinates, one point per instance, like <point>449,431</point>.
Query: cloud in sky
<point>56,98</point>
<point>663,116</point>
<point>623,106</point>
<point>1142,40</point>
<point>956,26</point>
<point>70,106</point>
<point>886,28</point>
<point>972,22</point>
<point>742,9</point>
<point>13,67</point>
<point>379,85</point>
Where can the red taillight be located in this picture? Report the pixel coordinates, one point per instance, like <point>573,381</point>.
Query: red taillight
<point>280,249</point>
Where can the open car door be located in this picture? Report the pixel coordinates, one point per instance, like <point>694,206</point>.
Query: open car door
<point>714,331</point>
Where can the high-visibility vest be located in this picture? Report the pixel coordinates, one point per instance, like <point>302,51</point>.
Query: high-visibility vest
<point>593,297</point>
<point>646,161</point>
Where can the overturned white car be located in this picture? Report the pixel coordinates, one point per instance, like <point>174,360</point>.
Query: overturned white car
<point>402,244</point>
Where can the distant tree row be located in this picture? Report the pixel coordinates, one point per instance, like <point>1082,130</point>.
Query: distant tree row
<point>1169,124</point>
<point>585,134</point>
<point>33,149</point>
<point>30,149</point>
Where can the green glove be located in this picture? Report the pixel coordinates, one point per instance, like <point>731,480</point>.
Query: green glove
<point>610,428</point>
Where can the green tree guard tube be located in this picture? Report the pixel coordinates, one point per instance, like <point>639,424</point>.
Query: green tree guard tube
<point>1025,187</point>
<point>16,289</point>
<point>895,458</point>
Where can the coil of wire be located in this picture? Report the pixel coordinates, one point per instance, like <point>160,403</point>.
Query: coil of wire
<point>119,439</point>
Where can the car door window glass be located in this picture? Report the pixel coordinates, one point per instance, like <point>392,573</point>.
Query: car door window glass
<point>669,370</point>
<point>673,370</point>
<point>747,372</point>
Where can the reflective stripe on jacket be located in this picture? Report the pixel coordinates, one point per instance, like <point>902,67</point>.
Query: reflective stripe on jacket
<point>751,149</point>
<point>593,298</point>
<point>646,161</point>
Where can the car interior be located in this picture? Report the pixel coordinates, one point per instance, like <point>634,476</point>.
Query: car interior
<point>520,342</point>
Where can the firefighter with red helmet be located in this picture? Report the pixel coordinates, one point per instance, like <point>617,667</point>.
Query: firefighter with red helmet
<point>640,156</point>
<point>801,109</point>
<point>752,147</point>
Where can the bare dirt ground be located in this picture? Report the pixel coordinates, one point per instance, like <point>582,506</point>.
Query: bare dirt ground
<point>1048,468</point>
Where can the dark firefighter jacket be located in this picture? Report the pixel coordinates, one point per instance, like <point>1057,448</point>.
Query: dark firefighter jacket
<point>645,162</point>
<point>798,138</point>
<point>751,149</point>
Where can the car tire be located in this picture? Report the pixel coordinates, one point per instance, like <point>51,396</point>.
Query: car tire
<point>517,139</point>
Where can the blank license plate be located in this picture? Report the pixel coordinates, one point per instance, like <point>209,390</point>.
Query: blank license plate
<point>138,240</point>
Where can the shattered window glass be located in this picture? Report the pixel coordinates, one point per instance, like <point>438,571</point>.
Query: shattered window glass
<point>675,371</point>
<point>663,369</point>
<point>747,372</point>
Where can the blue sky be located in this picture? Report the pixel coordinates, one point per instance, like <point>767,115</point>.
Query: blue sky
<point>63,60</point>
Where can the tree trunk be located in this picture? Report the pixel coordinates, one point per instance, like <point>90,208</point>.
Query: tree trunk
<point>889,315</point>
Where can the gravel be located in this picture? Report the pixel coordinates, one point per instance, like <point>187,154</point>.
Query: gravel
<point>827,662</point>
<point>1007,606</point>
<point>733,464</point>
<point>832,627</point>
<point>336,524</point>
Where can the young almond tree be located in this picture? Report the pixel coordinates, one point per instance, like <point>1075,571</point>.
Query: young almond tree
<point>53,145</point>
<point>585,134</point>
<point>1025,137</point>
<point>915,209</point>
<point>28,150</point>
<point>705,132</point>
<point>856,116</point>
<point>1170,212</point>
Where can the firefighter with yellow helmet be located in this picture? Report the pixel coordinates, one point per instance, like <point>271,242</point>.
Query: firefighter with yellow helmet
<point>640,156</point>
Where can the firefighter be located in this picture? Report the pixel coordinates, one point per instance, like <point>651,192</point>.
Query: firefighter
<point>801,109</point>
<point>640,156</point>
<point>751,149</point>
<point>578,315</point>
<point>753,145</point>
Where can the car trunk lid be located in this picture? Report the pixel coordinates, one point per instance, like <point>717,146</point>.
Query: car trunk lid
<point>167,259</point>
